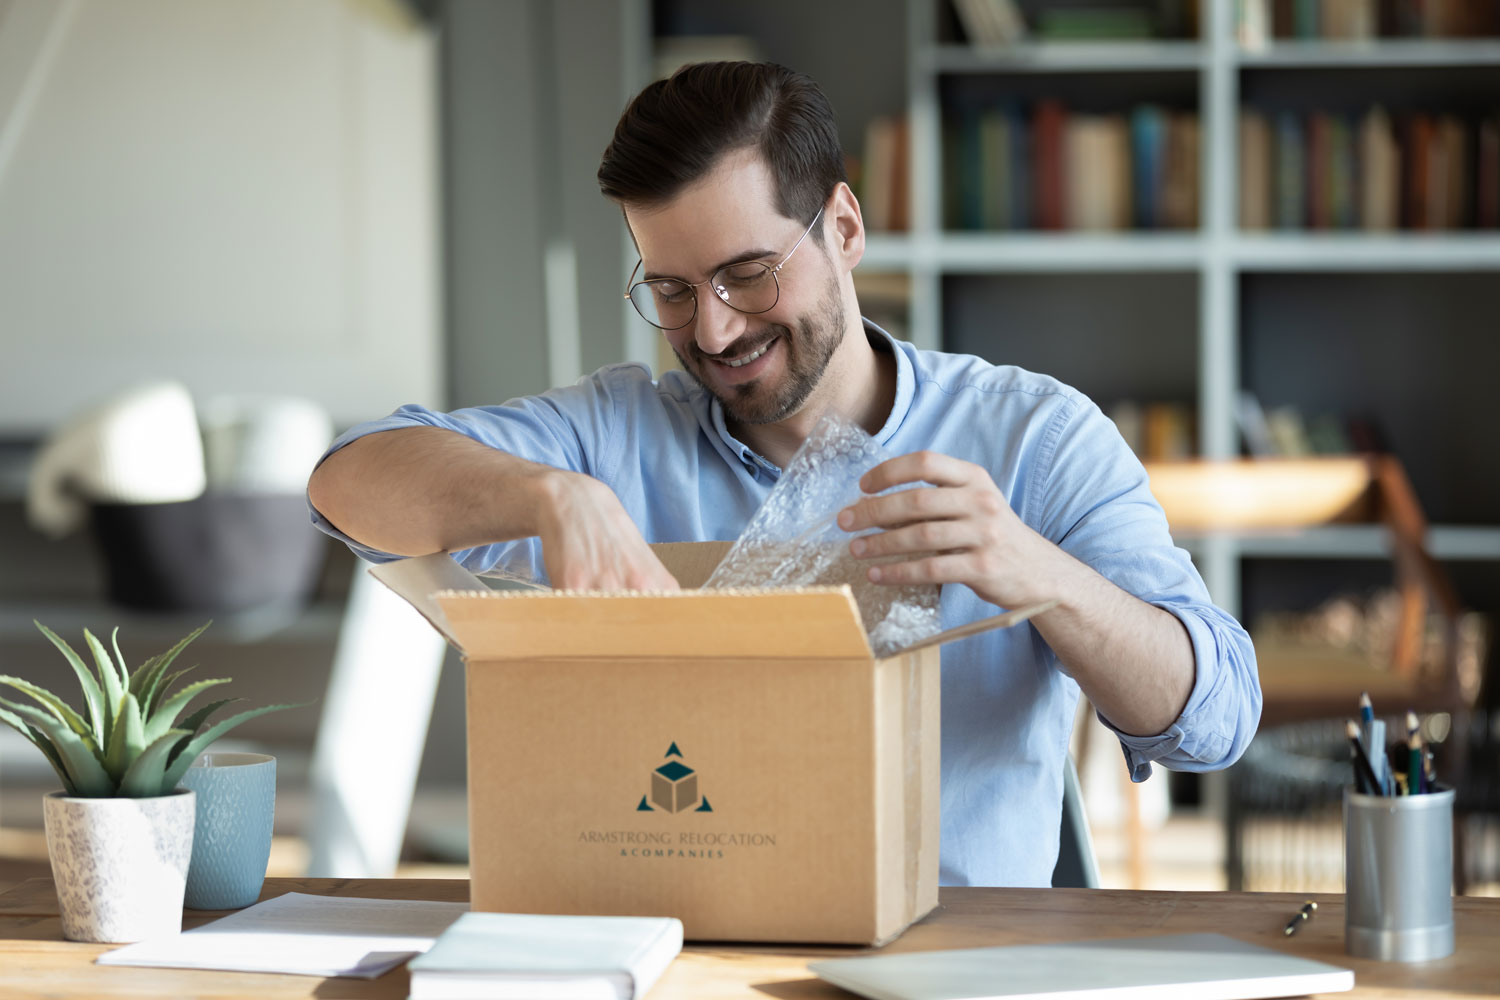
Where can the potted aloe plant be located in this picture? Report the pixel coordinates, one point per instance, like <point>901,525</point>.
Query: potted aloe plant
<point>120,832</point>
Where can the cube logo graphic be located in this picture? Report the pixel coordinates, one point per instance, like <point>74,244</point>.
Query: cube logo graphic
<point>674,787</point>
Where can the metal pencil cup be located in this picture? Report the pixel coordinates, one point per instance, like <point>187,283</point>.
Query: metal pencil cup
<point>1398,875</point>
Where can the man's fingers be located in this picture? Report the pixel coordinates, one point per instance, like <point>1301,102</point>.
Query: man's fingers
<point>652,575</point>
<point>926,536</point>
<point>918,467</point>
<point>903,507</point>
<point>942,568</point>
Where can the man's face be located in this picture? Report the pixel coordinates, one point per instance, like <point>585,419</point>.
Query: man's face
<point>763,367</point>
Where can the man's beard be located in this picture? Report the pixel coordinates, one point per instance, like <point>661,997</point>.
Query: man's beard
<point>818,336</point>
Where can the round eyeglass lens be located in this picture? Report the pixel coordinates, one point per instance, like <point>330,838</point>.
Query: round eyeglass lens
<point>748,287</point>
<point>663,302</point>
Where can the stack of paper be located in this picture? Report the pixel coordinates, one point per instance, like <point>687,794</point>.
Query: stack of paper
<point>504,955</point>
<point>303,935</point>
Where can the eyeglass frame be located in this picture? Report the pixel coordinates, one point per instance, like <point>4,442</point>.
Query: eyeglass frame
<point>630,285</point>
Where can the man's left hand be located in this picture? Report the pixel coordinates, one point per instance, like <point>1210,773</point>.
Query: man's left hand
<point>957,529</point>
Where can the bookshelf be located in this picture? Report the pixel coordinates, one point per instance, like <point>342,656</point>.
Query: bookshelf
<point>1221,276</point>
<point>1209,301</point>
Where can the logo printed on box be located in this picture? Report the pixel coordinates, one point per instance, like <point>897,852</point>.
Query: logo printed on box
<point>674,787</point>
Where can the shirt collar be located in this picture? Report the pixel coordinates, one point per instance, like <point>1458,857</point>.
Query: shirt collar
<point>905,389</point>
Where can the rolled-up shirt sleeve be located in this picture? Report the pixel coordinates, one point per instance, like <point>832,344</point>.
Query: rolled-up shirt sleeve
<point>565,428</point>
<point>1097,506</point>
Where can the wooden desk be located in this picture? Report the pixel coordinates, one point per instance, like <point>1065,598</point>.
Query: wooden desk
<point>35,961</point>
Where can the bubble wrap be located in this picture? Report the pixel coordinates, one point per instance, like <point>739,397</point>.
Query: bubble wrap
<point>794,539</point>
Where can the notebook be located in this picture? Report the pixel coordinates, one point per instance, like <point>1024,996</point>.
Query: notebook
<point>503,955</point>
<point>1174,967</point>
<point>303,935</point>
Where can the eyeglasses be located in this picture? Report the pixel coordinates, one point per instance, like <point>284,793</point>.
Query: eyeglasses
<point>749,287</point>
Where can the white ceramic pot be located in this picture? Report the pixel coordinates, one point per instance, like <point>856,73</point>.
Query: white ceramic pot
<point>120,865</point>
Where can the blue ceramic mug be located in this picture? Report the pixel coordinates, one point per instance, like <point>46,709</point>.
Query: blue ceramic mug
<point>232,838</point>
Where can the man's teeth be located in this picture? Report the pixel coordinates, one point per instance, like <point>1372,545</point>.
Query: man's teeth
<point>740,362</point>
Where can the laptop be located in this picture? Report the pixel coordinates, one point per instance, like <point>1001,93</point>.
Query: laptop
<point>1173,967</point>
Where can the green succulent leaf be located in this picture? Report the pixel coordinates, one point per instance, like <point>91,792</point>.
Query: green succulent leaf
<point>195,721</point>
<point>163,686</point>
<point>92,696</point>
<point>114,642</point>
<point>147,685</point>
<point>40,741</point>
<point>192,748</point>
<point>54,704</point>
<point>165,717</point>
<point>85,775</point>
<point>145,777</point>
<point>128,739</point>
<point>109,680</point>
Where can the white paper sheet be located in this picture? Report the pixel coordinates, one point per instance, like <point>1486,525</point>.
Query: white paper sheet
<point>302,935</point>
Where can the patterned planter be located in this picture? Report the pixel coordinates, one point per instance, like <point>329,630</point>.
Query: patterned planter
<point>120,864</point>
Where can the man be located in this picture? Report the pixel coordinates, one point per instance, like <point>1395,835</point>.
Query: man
<point>730,177</point>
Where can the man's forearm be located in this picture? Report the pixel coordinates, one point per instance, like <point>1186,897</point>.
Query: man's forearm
<point>425,489</point>
<point>1133,660</point>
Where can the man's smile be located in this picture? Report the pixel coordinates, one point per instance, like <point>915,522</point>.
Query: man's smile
<point>745,359</point>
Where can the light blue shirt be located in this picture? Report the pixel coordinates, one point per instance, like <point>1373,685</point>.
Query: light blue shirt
<point>1008,705</point>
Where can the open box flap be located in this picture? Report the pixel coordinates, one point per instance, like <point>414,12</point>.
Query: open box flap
<point>1003,620</point>
<point>418,580</point>
<point>805,623</point>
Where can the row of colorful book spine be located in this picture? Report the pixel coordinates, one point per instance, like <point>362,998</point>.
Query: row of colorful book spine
<point>1371,171</point>
<point>1258,22</point>
<point>1044,167</point>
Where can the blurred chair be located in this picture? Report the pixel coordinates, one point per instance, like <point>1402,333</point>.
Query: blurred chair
<point>1076,866</point>
<point>372,733</point>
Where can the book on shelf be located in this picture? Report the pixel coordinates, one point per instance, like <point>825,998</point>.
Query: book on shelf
<point>1180,181</point>
<point>1380,168</point>
<point>1487,190</point>
<point>991,23</point>
<point>1047,167</point>
<point>1093,23</point>
<point>1323,171</point>
<point>513,955</point>
<point>1157,430</point>
<point>1254,429</point>
<point>1289,179</point>
<point>1048,123</point>
<point>1255,170</point>
<point>1148,154</point>
<point>885,174</point>
<point>1096,174</point>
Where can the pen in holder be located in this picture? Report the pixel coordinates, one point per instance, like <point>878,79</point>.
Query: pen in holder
<point>1398,875</point>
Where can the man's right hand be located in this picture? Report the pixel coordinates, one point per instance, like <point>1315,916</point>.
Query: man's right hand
<point>590,543</point>
<point>427,489</point>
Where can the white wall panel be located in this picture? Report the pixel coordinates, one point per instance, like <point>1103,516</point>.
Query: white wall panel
<point>239,195</point>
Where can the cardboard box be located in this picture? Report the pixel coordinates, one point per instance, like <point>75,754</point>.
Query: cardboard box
<point>736,759</point>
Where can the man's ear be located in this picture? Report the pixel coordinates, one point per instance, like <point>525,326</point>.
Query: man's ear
<point>844,227</point>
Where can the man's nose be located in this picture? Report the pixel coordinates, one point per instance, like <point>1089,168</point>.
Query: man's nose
<point>718,324</point>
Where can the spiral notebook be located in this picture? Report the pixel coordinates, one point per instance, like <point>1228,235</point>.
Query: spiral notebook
<point>1175,967</point>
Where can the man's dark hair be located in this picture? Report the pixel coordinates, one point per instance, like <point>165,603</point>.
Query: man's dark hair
<point>678,129</point>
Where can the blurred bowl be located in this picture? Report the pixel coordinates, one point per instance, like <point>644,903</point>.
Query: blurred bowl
<point>219,552</point>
